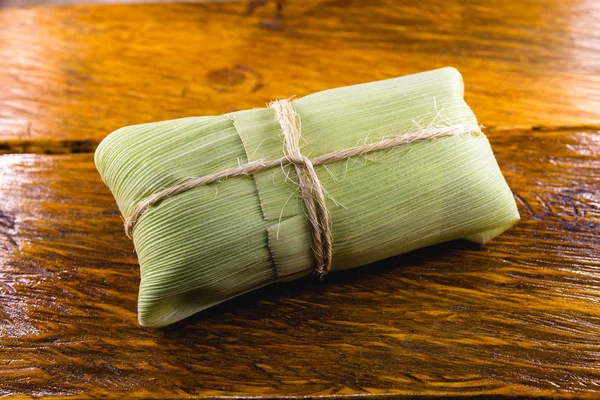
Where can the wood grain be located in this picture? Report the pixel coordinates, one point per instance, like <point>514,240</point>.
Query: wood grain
<point>520,315</point>
<point>71,75</point>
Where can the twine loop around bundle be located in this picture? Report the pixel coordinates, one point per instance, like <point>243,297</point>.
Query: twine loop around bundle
<point>311,189</point>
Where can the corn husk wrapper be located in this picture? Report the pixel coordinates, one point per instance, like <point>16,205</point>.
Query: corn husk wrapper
<point>209,244</point>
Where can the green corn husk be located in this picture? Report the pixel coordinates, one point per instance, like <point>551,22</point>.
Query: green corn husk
<point>209,244</point>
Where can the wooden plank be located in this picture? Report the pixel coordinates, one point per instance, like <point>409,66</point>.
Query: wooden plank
<point>71,75</point>
<point>517,316</point>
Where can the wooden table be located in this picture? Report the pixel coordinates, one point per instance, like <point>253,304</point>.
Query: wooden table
<point>519,316</point>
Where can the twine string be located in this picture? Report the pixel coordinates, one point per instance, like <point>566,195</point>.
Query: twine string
<point>311,189</point>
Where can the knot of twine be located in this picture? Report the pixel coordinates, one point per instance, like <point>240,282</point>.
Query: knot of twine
<point>311,189</point>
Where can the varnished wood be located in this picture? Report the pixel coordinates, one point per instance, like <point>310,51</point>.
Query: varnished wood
<point>71,75</point>
<point>517,316</point>
<point>520,315</point>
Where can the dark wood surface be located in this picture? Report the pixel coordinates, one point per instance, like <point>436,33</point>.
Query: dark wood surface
<point>519,316</point>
